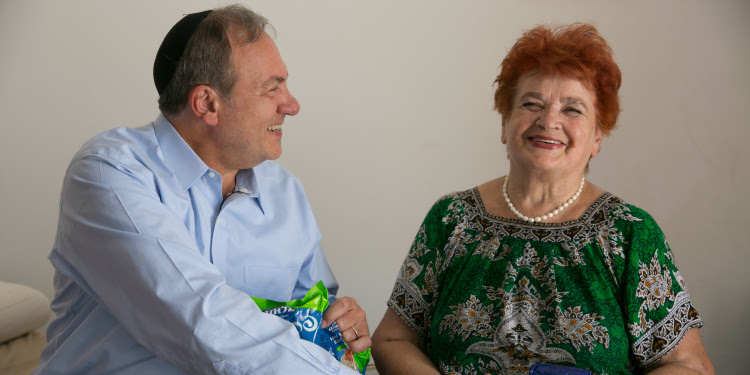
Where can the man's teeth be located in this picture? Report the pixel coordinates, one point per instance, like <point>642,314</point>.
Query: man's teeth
<point>274,128</point>
<point>546,141</point>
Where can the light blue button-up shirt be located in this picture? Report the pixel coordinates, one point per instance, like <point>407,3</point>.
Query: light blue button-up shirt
<point>154,268</point>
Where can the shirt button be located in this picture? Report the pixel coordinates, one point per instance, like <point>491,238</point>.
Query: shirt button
<point>211,174</point>
<point>218,221</point>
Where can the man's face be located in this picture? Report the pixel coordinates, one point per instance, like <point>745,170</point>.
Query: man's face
<point>249,126</point>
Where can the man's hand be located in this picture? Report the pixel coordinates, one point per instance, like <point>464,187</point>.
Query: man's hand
<point>352,323</point>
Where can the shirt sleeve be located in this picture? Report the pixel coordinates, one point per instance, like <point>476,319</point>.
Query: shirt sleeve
<point>136,257</point>
<point>315,269</point>
<point>656,303</point>
<point>417,289</point>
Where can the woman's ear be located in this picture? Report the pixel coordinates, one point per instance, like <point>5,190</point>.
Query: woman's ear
<point>597,142</point>
<point>205,104</point>
<point>502,132</point>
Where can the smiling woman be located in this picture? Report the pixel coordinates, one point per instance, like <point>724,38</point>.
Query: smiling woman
<point>541,266</point>
<point>552,128</point>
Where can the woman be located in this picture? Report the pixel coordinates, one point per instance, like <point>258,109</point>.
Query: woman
<point>542,265</point>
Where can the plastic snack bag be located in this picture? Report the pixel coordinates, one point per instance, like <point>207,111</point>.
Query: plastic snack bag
<point>306,314</point>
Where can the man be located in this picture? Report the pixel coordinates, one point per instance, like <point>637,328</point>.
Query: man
<point>165,230</point>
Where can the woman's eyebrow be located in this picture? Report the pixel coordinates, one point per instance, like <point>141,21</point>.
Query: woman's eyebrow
<point>574,100</point>
<point>534,95</point>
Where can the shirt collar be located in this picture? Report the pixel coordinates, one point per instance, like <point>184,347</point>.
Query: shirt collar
<point>247,183</point>
<point>186,165</point>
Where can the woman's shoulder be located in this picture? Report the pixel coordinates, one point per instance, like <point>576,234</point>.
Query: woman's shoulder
<point>629,218</point>
<point>613,205</point>
<point>452,206</point>
<point>455,197</point>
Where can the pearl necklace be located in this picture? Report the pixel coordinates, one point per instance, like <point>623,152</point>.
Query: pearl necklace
<point>543,217</point>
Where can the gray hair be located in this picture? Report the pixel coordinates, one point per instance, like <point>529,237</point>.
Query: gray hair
<point>207,59</point>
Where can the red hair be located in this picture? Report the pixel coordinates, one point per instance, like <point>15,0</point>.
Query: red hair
<point>575,50</point>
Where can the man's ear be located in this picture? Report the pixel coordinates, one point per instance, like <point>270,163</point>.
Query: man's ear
<point>205,104</point>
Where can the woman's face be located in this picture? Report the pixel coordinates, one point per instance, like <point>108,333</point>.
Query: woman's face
<point>552,125</point>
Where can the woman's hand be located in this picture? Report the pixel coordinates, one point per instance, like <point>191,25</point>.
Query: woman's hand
<point>689,357</point>
<point>397,349</point>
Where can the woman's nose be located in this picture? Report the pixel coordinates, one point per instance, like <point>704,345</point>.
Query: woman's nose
<point>549,119</point>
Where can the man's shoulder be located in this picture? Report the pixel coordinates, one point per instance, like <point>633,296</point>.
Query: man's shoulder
<point>120,142</point>
<point>274,179</point>
<point>272,170</point>
<point>130,151</point>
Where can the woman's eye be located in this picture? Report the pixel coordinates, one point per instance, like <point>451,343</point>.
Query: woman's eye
<point>531,106</point>
<point>573,110</point>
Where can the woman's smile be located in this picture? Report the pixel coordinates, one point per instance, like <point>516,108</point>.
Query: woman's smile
<point>546,142</point>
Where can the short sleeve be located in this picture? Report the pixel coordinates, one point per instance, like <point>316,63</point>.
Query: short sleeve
<point>416,290</point>
<point>656,302</point>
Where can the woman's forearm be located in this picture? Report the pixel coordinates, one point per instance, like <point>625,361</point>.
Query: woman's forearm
<point>674,369</point>
<point>402,357</point>
<point>397,349</point>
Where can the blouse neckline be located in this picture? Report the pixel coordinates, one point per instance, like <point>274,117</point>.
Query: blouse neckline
<point>585,217</point>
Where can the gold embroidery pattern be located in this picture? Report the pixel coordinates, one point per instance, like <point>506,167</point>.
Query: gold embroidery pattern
<point>580,329</point>
<point>654,288</point>
<point>468,319</point>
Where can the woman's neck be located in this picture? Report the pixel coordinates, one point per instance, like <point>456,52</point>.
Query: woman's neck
<point>539,194</point>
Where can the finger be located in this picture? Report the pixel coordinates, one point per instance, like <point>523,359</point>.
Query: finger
<point>337,309</point>
<point>361,344</point>
<point>355,331</point>
<point>353,325</point>
<point>349,335</point>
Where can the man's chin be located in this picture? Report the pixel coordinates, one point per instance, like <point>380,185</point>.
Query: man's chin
<point>274,155</point>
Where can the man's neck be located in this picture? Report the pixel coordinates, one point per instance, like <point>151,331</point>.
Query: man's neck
<point>228,183</point>
<point>194,134</point>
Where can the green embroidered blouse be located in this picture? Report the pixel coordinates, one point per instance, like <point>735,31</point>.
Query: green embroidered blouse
<point>497,295</point>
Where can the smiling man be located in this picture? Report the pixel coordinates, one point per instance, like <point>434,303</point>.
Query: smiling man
<point>165,230</point>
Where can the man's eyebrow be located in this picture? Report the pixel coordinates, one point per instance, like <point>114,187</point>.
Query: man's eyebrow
<point>273,81</point>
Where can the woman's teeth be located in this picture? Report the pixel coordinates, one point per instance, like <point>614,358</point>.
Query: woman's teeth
<point>546,141</point>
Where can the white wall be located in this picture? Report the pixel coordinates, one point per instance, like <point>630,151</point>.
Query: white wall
<point>396,111</point>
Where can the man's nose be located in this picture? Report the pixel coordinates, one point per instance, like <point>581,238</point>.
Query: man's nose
<point>290,106</point>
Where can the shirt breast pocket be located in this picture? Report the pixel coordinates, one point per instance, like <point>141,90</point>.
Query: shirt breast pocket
<point>274,283</point>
